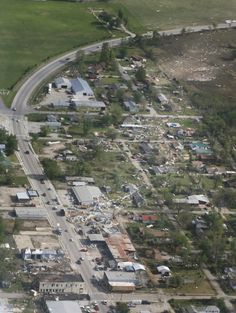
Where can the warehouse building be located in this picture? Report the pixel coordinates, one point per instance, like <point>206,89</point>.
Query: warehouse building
<point>31,213</point>
<point>86,195</point>
<point>120,281</point>
<point>62,307</point>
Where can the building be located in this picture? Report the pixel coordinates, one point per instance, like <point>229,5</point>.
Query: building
<point>149,219</point>
<point>93,104</point>
<point>193,200</point>
<point>161,98</point>
<point>163,270</point>
<point>137,199</point>
<point>207,309</point>
<point>146,148</point>
<point>86,195</point>
<point>62,83</point>
<point>131,106</point>
<point>62,306</point>
<point>22,197</point>
<point>31,213</point>
<point>2,147</point>
<point>162,169</point>
<point>120,281</point>
<point>130,266</point>
<point>41,254</point>
<point>61,284</point>
<point>120,247</point>
<point>81,88</point>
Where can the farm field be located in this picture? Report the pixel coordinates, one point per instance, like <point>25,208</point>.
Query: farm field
<point>168,14</point>
<point>40,30</point>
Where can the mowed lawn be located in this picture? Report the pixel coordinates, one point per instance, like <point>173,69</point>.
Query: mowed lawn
<point>167,14</point>
<point>31,31</point>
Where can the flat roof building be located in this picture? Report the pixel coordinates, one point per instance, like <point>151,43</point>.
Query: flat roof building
<point>61,284</point>
<point>31,213</point>
<point>63,307</point>
<point>86,195</point>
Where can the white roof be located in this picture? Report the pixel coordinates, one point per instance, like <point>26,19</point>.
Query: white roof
<point>163,268</point>
<point>136,266</point>
<point>63,306</point>
<point>22,196</point>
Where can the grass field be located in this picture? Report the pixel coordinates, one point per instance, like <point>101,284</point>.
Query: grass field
<point>32,31</point>
<point>167,14</point>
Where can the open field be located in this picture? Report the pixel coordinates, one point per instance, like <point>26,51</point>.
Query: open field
<point>40,30</point>
<point>159,14</point>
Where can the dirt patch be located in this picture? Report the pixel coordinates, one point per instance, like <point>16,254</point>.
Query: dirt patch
<point>198,57</point>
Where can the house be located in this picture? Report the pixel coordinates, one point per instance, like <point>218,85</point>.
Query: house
<point>231,276</point>
<point>61,284</point>
<point>148,219</point>
<point>161,98</point>
<point>146,148</point>
<point>137,199</point>
<point>86,195</point>
<point>201,150</point>
<point>131,106</point>
<point>206,309</point>
<point>2,147</point>
<point>57,306</point>
<point>81,88</point>
<point>62,83</point>
<point>120,281</point>
<point>162,169</point>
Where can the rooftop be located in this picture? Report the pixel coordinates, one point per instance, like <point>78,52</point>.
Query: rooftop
<point>120,246</point>
<point>31,213</point>
<point>80,85</point>
<point>63,306</point>
<point>117,276</point>
<point>86,194</point>
<point>61,278</point>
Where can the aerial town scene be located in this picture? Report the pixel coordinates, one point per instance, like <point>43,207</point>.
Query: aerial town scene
<point>118,156</point>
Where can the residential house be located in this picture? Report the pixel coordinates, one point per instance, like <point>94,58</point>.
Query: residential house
<point>162,169</point>
<point>149,219</point>
<point>62,83</point>
<point>137,199</point>
<point>61,284</point>
<point>161,98</point>
<point>146,148</point>
<point>131,106</point>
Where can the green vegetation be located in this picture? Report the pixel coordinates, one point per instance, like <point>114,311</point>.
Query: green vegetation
<point>51,168</point>
<point>40,30</point>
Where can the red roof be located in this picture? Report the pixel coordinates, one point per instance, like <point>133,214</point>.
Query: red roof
<point>146,218</point>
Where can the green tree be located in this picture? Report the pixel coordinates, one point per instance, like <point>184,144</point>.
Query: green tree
<point>105,53</point>
<point>44,131</point>
<point>11,144</point>
<point>111,133</point>
<point>51,168</point>
<point>122,307</point>
<point>140,75</point>
<point>116,114</point>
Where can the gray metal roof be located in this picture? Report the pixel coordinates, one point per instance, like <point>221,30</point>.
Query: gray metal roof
<point>96,237</point>
<point>31,213</point>
<point>118,276</point>
<point>79,85</point>
<point>63,307</point>
<point>86,194</point>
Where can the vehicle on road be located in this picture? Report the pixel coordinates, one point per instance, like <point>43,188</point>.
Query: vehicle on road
<point>78,261</point>
<point>27,152</point>
<point>83,249</point>
<point>14,109</point>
